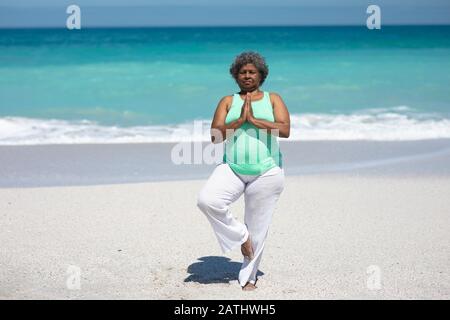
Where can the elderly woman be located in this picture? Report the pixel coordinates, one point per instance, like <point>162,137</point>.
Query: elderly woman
<point>249,123</point>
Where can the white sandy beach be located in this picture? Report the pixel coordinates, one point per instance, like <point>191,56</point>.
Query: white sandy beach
<point>333,236</point>
<point>105,143</point>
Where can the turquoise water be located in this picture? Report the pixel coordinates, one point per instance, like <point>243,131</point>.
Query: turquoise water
<point>150,84</point>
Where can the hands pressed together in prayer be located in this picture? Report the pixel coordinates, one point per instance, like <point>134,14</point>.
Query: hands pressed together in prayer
<point>246,111</point>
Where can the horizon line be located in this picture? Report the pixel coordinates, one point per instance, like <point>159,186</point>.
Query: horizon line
<point>227,26</point>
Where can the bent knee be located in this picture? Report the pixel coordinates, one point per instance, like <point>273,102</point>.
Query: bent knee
<point>208,203</point>
<point>202,200</point>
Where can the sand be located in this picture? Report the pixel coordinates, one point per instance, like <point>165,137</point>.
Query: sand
<point>333,236</point>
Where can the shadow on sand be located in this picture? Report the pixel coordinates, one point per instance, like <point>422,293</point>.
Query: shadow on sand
<point>214,270</point>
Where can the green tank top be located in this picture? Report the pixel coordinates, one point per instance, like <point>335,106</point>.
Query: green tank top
<point>251,150</point>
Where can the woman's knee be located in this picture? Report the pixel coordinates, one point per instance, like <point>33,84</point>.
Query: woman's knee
<point>208,203</point>
<point>202,201</point>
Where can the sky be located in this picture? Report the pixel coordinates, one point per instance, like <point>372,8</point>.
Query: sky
<point>135,13</point>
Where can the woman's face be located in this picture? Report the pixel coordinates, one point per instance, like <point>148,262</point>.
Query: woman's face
<point>248,78</point>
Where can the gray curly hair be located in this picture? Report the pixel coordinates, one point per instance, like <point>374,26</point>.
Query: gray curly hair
<point>250,57</point>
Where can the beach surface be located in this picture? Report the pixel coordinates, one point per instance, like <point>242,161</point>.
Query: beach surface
<point>342,235</point>
<point>96,164</point>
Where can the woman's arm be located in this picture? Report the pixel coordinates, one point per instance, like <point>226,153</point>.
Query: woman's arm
<point>218,126</point>
<point>281,115</point>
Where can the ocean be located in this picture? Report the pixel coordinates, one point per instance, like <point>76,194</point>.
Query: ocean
<point>115,85</point>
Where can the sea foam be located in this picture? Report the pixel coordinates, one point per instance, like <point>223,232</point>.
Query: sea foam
<point>397,123</point>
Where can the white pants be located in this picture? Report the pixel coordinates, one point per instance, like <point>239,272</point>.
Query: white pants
<point>261,192</point>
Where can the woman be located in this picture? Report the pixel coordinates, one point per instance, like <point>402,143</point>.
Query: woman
<point>249,123</point>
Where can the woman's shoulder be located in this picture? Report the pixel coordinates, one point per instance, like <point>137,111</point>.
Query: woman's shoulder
<point>227,101</point>
<point>274,97</point>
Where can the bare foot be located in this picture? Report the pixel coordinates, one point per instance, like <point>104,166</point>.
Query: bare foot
<point>249,287</point>
<point>247,249</point>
